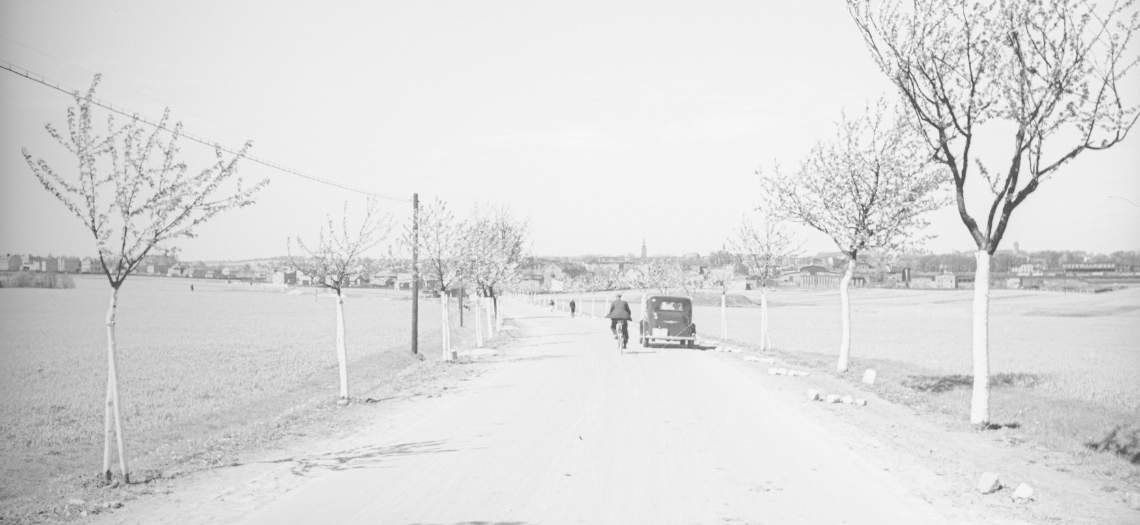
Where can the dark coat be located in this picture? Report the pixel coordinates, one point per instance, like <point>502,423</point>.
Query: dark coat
<point>619,309</point>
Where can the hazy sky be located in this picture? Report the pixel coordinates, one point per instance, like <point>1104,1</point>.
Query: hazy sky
<point>604,123</point>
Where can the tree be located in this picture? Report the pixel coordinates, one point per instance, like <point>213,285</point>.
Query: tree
<point>336,259</point>
<point>145,199</point>
<point>765,251</point>
<point>866,189</point>
<point>1046,74</point>
<point>496,245</point>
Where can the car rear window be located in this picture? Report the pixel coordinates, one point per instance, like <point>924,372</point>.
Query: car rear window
<point>670,306</point>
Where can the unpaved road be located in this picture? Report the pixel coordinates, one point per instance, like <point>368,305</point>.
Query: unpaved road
<point>569,431</point>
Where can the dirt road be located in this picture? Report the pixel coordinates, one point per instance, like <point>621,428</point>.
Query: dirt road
<point>569,431</point>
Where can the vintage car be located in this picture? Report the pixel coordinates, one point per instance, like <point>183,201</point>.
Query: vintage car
<point>667,319</point>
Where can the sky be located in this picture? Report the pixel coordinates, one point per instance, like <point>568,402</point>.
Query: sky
<point>602,123</point>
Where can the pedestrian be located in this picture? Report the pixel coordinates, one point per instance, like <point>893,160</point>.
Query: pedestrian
<point>191,288</point>
<point>572,307</point>
<point>552,305</point>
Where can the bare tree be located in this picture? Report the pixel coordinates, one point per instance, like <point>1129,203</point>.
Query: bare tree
<point>336,259</point>
<point>1047,74</point>
<point>866,189</point>
<point>765,251</point>
<point>146,198</point>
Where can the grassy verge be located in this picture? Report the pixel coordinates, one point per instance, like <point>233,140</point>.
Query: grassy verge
<point>1104,439</point>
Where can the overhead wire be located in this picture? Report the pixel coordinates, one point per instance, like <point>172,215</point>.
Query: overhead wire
<point>7,66</point>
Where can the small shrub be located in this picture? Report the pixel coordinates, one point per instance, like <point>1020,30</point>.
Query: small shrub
<point>1123,440</point>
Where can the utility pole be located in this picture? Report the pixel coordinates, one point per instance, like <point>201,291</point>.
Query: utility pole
<point>415,273</point>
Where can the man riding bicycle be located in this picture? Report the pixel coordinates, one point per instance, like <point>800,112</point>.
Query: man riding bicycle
<point>620,314</point>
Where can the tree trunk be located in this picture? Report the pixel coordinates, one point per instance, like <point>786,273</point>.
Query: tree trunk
<point>113,408</point>
<point>490,317</point>
<point>478,305</point>
<point>445,331</point>
<point>723,319</point>
<point>764,320</point>
<point>980,402</point>
<point>341,354</point>
<point>845,342</point>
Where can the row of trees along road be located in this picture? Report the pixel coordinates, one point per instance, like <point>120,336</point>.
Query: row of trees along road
<point>483,252</point>
<point>133,194</point>
<point>1046,74</point>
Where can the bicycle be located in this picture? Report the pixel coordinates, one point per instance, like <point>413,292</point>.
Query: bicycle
<point>621,333</point>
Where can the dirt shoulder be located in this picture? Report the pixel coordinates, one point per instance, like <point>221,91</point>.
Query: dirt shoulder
<point>943,457</point>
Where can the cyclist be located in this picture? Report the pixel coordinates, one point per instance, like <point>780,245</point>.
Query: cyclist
<point>620,314</point>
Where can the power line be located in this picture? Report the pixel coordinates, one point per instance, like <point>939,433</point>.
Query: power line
<point>134,115</point>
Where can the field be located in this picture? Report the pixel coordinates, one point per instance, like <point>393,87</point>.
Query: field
<point>198,369</point>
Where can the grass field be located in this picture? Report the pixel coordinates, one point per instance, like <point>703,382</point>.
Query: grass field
<point>197,368</point>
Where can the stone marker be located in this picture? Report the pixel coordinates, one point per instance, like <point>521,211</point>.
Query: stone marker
<point>869,377</point>
<point>847,400</point>
<point>769,360</point>
<point>771,371</point>
<point>1133,500</point>
<point>813,394</point>
<point>988,483</point>
<point>751,358</point>
<point>861,402</point>
<point>832,398</point>
<point>781,371</point>
<point>736,350</point>
<point>1023,492</point>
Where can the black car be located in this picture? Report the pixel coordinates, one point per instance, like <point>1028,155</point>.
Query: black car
<point>667,318</point>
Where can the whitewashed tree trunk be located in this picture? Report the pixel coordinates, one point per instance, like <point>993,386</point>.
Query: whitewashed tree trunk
<point>845,300</point>
<point>478,324</point>
<point>490,317</point>
<point>341,354</point>
<point>113,410</point>
<point>723,319</point>
<point>980,401</point>
<point>764,320</point>
<point>445,328</point>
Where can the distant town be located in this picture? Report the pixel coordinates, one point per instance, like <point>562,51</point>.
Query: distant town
<point>1045,270</point>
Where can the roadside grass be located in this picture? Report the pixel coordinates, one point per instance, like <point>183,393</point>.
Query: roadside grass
<point>205,376</point>
<point>1101,437</point>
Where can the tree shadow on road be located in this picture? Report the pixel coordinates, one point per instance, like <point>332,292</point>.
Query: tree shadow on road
<point>367,456</point>
<point>479,523</point>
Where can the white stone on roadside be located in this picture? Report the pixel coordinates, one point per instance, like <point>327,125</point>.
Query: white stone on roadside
<point>736,350</point>
<point>847,400</point>
<point>769,360</point>
<point>861,402</point>
<point>771,371</point>
<point>751,358</point>
<point>718,349</point>
<point>813,394</point>
<point>781,371</point>
<point>1023,492</point>
<point>988,483</point>
<point>1133,500</point>
<point>869,376</point>
<point>832,398</point>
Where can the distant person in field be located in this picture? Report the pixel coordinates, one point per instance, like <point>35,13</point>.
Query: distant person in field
<point>191,288</point>
<point>573,307</point>
<point>551,305</point>
<point>620,314</point>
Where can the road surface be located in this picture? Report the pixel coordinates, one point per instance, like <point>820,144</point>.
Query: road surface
<point>572,432</point>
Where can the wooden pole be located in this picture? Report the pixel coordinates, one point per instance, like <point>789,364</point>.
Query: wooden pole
<point>415,273</point>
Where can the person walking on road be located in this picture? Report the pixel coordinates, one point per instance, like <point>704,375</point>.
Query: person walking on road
<point>620,314</point>
<point>572,307</point>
